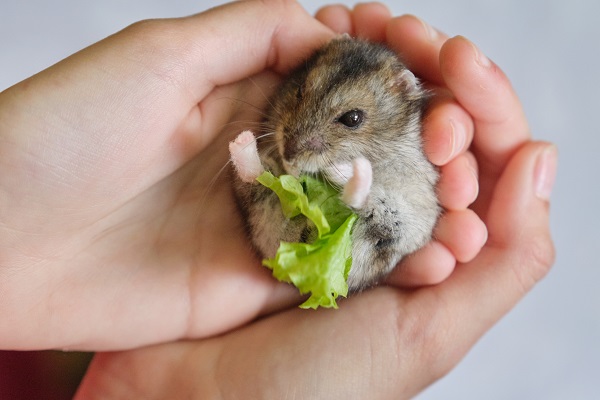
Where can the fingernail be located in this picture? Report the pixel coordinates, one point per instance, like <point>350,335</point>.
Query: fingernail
<point>432,33</point>
<point>545,172</point>
<point>480,58</point>
<point>458,138</point>
<point>475,178</point>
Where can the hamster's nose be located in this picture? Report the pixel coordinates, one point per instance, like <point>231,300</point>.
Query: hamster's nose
<point>315,144</point>
<point>295,145</point>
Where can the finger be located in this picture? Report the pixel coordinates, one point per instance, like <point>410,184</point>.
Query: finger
<point>272,34</point>
<point>458,185</point>
<point>369,20</point>
<point>337,17</point>
<point>525,201</point>
<point>447,130</point>
<point>486,94</point>
<point>214,48</point>
<point>518,253</point>
<point>419,45</point>
<point>429,265</point>
<point>462,232</point>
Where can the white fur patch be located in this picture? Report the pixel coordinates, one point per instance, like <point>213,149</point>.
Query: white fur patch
<point>339,173</point>
<point>358,187</point>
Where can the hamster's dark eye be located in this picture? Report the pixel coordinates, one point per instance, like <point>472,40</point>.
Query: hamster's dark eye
<point>352,118</point>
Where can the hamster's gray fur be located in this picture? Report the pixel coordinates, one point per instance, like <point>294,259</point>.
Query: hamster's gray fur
<point>308,116</point>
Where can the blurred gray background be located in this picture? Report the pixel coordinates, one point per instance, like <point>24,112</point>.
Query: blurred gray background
<point>549,346</point>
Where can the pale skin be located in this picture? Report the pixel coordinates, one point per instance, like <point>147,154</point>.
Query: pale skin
<point>104,247</point>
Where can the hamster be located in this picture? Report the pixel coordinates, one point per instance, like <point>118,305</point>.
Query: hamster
<point>350,114</point>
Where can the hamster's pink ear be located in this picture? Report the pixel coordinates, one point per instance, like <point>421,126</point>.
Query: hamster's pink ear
<point>409,83</point>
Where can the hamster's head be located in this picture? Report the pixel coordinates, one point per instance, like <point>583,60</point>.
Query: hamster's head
<point>350,99</point>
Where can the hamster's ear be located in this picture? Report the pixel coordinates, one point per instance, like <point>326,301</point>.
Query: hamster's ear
<point>409,83</point>
<point>343,36</point>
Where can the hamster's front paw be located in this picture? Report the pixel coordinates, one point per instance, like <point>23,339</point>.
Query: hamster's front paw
<point>244,156</point>
<point>358,186</point>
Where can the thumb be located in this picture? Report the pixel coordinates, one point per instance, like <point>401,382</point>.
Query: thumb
<point>518,253</point>
<point>518,219</point>
<point>236,40</point>
<point>519,250</point>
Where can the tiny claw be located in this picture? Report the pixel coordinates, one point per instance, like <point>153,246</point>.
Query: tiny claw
<point>357,189</point>
<point>244,155</point>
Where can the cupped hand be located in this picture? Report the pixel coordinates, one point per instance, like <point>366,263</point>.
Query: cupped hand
<point>387,342</point>
<point>118,226</point>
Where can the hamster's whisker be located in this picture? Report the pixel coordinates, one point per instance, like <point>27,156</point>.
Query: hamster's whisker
<point>271,149</point>
<point>331,164</point>
<point>257,109</point>
<point>212,183</point>
<point>244,123</point>
<point>266,98</point>
<point>257,138</point>
<point>268,139</point>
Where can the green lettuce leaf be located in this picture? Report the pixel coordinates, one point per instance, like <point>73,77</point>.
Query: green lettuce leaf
<point>320,268</point>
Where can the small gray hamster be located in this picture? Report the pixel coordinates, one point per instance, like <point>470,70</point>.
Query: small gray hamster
<point>351,114</point>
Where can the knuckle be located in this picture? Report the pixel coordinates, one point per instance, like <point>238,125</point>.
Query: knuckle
<point>148,31</point>
<point>157,45</point>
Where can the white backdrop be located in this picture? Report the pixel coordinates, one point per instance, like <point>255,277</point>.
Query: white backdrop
<point>549,346</point>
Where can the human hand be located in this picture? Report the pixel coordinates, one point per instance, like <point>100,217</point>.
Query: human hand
<point>448,132</point>
<point>114,232</point>
<point>387,342</point>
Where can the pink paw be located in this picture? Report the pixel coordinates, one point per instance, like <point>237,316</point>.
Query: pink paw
<point>357,189</point>
<point>244,156</point>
